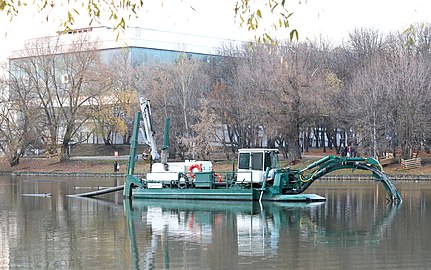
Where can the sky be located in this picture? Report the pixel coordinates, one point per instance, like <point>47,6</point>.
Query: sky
<point>331,20</point>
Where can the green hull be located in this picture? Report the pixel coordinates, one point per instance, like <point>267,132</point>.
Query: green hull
<point>234,194</point>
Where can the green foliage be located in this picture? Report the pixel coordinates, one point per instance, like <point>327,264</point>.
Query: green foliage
<point>119,13</point>
<point>2,4</point>
<point>253,14</point>
<point>273,12</point>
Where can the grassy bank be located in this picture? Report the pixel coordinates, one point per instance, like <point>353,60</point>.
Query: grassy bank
<point>53,164</point>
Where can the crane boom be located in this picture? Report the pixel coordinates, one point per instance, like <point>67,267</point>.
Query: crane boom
<point>147,130</point>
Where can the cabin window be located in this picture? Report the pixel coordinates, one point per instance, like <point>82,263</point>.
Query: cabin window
<point>257,161</point>
<point>267,161</point>
<point>275,163</point>
<point>244,161</point>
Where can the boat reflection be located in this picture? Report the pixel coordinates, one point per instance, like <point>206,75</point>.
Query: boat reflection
<point>256,226</point>
<point>245,228</point>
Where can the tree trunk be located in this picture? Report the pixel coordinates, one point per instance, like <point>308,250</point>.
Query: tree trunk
<point>406,150</point>
<point>64,153</point>
<point>330,136</point>
<point>231,135</point>
<point>337,145</point>
<point>14,160</point>
<point>67,138</point>
<point>307,139</point>
<point>322,135</point>
<point>52,147</point>
<point>316,136</point>
<point>294,150</point>
<point>107,138</point>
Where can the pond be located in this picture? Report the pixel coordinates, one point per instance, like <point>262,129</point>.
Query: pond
<point>41,227</point>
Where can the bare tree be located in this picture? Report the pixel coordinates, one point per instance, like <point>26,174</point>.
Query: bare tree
<point>408,79</point>
<point>114,109</point>
<point>365,42</point>
<point>19,117</point>
<point>248,97</point>
<point>389,92</point>
<point>369,104</point>
<point>62,78</point>
<point>176,90</point>
<point>226,105</point>
<point>184,72</point>
<point>156,83</point>
<point>205,130</point>
<point>190,85</point>
<point>287,76</point>
<point>228,98</point>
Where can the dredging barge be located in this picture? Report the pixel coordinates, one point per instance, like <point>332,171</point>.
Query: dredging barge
<point>258,176</point>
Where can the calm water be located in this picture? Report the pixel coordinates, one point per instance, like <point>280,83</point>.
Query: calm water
<point>353,229</point>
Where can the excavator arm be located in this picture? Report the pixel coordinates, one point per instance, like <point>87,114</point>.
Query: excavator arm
<point>287,181</point>
<point>147,131</point>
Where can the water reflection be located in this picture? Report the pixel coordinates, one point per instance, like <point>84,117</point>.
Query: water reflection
<point>248,229</point>
<point>354,228</point>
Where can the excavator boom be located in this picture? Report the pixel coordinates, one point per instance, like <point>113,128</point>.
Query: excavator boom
<point>148,131</point>
<point>287,181</point>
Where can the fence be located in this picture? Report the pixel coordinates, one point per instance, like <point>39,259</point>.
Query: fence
<point>411,163</point>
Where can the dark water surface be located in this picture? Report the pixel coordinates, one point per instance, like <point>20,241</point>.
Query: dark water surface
<point>354,229</point>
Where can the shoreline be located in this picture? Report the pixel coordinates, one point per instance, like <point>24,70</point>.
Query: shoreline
<point>96,166</point>
<point>334,177</point>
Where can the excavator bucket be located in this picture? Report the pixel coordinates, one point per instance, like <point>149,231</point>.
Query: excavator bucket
<point>394,194</point>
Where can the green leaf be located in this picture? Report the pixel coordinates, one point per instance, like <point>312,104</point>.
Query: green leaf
<point>268,37</point>
<point>242,20</point>
<point>294,34</point>
<point>259,14</point>
<point>2,5</point>
<point>121,24</point>
<point>70,17</point>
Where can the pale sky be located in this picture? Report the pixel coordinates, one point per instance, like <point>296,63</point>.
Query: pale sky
<point>330,19</point>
